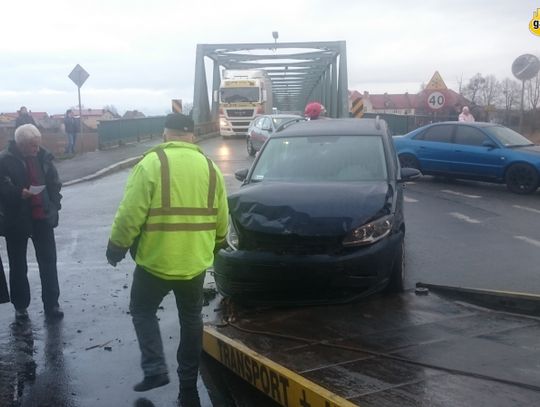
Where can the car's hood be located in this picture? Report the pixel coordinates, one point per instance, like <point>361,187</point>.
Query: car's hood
<point>533,150</point>
<point>317,209</point>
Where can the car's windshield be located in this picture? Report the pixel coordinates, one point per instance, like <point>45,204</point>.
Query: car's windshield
<point>508,137</point>
<point>235,95</point>
<point>322,159</point>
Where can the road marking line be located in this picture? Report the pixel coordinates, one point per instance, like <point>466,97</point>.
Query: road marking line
<point>525,208</point>
<point>463,217</point>
<point>407,199</point>
<point>448,191</point>
<point>528,240</point>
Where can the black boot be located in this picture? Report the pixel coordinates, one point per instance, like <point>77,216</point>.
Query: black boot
<point>189,397</point>
<point>54,313</point>
<point>151,382</point>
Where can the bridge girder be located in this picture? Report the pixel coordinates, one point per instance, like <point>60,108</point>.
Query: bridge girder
<point>300,72</point>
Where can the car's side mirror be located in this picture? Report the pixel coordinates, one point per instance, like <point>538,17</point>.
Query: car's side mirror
<point>409,174</point>
<point>489,144</point>
<point>241,175</point>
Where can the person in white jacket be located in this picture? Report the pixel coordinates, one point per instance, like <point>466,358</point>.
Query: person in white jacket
<point>465,115</point>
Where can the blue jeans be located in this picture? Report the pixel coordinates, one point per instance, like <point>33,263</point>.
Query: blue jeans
<point>147,292</point>
<point>71,140</point>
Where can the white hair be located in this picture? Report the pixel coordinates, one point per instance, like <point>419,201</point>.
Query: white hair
<point>26,132</point>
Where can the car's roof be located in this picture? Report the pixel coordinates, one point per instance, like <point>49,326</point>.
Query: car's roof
<point>334,127</point>
<point>282,115</point>
<point>475,124</point>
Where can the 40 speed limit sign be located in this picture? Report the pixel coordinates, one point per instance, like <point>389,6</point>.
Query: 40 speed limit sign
<point>436,100</point>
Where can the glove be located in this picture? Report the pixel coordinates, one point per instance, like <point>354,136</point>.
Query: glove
<point>115,253</point>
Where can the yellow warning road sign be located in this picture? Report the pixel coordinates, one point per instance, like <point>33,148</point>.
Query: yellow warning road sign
<point>177,105</point>
<point>357,108</point>
<point>436,82</point>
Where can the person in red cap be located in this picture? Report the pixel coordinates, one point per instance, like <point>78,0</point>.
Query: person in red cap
<point>314,110</point>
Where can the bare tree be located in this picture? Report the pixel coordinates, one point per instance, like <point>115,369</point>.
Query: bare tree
<point>490,91</point>
<point>510,91</point>
<point>112,109</point>
<point>532,89</point>
<point>472,90</point>
<point>187,108</point>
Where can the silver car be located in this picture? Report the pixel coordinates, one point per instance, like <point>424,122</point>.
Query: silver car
<point>263,127</point>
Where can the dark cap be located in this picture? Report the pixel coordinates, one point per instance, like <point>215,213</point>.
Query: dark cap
<point>180,122</point>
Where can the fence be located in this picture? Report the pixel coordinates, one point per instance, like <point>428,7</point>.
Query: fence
<point>402,124</point>
<point>122,131</point>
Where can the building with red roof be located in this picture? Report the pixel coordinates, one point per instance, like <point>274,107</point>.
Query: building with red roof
<point>411,104</point>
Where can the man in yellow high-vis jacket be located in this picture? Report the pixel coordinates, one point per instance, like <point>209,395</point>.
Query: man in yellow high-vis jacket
<point>174,212</point>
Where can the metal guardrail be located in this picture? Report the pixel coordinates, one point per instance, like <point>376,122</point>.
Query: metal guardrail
<point>117,132</point>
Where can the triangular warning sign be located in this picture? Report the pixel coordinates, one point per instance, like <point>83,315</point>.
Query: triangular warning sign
<point>436,82</point>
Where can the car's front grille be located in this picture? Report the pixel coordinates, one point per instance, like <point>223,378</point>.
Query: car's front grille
<point>240,112</point>
<point>291,244</point>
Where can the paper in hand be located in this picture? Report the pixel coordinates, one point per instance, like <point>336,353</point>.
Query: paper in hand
<point>36,189</point>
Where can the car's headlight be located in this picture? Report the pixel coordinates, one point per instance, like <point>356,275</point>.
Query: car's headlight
<point>223,122</point>
<point>370,232</point>
<point>232,236</point>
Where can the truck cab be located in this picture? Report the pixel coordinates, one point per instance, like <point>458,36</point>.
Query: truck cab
<point>243,95</point>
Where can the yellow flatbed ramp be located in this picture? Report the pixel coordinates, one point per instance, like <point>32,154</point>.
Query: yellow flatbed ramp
<point>448,347</point>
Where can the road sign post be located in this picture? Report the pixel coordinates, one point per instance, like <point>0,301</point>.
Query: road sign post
<point>78,75</point>
<point>524,68</point>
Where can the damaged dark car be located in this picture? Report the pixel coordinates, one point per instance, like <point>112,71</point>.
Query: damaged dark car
<point>319,217</point>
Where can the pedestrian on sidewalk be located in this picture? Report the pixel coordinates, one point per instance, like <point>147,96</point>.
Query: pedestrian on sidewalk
<point>24,118</point>
<point>30,193</point>
<point>71,127</point>
<point>466,115</point>
<point>174,216</point>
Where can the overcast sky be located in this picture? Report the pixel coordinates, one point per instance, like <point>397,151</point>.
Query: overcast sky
<point>141,54</point>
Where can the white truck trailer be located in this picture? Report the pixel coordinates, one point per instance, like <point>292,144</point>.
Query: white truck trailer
<point>243,95</point>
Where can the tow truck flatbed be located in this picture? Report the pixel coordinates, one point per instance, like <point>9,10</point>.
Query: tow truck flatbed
<point>445,348</point>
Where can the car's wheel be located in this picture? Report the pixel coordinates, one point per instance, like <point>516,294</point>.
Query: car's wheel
<point>250,149</point>
<point>408,161</point>
<point>397,277</point>
<point>522,178</point>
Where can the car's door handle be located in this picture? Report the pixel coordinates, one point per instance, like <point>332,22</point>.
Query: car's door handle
<point>458,151</point>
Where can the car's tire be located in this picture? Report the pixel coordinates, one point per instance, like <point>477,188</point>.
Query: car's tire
<point>250,149</point>
<point>521,178</point>
<point>396,283</point>
<point>409,161</point>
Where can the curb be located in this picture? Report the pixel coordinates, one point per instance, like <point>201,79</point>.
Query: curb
<point>129,162</point>
<point>105,171</point>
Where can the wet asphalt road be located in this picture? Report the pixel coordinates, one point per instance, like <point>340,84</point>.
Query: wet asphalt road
<point>458,233</point>
<point>91,358</point>
<point>472,234</point>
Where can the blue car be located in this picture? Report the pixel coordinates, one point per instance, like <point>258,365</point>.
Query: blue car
<point>477,151</point>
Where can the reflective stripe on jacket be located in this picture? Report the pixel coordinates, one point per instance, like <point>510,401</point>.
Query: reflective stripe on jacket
<point>175,201</point>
